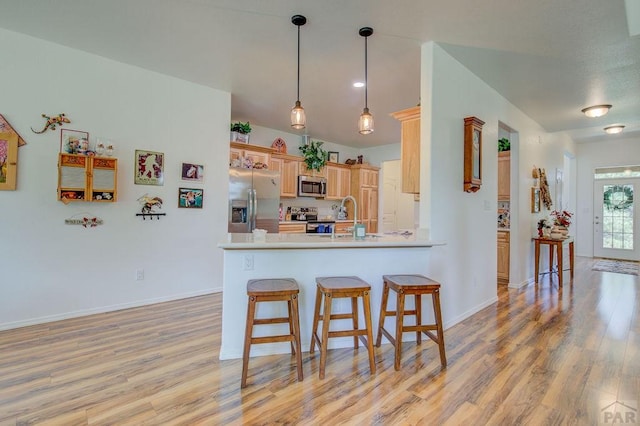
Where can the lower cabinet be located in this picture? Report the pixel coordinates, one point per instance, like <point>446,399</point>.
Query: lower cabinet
<point>503,256</point>
<point>293,228</point>
<point>343,227</point>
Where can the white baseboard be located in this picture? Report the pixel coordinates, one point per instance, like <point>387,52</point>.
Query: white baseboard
<point>521,284</point>
<point>470,312</point>
<point>103,309</point>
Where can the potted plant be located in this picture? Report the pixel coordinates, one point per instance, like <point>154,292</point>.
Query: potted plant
<point>314,156</point>
<point>504,145</point>
<point>240,132</point>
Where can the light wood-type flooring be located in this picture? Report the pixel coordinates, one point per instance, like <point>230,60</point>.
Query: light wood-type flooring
<point>540,356</point>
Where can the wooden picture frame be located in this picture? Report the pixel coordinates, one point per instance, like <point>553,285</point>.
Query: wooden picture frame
<point>192,172</point>
<point>71,140</point>
<point>190,198</point>
<point>472,154</point>
<point>8,160</point>
<point>149,168</point>
<point>535,200</point>
<point>334,156</point>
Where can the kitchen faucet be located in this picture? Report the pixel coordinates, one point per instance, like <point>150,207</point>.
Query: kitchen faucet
<point>355,208</point>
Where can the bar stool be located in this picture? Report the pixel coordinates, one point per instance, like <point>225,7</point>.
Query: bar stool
<point>329,288</point>
<point>272,290</point>
<point>415,285</point>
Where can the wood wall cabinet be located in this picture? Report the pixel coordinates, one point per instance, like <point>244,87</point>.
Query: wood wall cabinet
<point>364,187</point>
<point>504,175</point>
<point>83,178</point>
<point>338,181</point>
<point>304,170</point>
<point>503,256</point>
<point>293,228</point>
<point>257,154</point>
<point>410,148</point>
<point>287,165</point>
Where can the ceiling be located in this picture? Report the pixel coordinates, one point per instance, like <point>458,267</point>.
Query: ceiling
<point>550,58</point>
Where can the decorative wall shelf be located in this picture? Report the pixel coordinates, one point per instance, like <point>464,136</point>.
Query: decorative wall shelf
<point>150,215</point>
<point>84,178</point>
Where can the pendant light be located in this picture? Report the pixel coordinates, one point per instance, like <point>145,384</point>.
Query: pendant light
<point>298,118</point>
<point>365,124</point>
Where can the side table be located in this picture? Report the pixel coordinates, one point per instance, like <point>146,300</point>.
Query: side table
<point>558,245</point>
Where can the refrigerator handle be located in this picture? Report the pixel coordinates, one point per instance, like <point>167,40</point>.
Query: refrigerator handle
<point>255,209</point>
<point>249,210</point>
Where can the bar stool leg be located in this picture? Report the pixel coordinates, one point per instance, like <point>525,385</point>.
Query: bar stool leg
<point>399,325</point>
<point>438,315</point>
<point>325,332</point>
<point>366,302</point>
<point>316,319</point>
<point>418,302</point>
<point>295,318</point>
<point>248,333</point>
<point>354,316</point>
<point>289,302</point>
<point>383,313</point>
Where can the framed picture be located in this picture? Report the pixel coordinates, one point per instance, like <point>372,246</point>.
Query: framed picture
<point>472,154</point>
<point>535,200</point>
<point>149,168</point>
<point>334,157</point>
<point>74,141</point>
<point>190,198</point>
<point>8,160</point>
<point>192,172</point>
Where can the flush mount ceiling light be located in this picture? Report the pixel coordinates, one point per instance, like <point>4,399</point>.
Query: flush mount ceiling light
<point>612,130</point>
<point>298,117</point>
<point>596,111</point>
<point>365,124</point>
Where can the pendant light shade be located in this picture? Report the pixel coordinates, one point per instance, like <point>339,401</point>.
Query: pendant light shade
<point>298,117</point>
<point>365,124</point>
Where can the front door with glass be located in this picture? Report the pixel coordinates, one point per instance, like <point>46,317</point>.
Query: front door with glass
<point>615,232</point>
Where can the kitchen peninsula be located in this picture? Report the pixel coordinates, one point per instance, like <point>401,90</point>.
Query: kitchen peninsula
<point>305,257</point>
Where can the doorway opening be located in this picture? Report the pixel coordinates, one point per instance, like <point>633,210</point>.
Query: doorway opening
<point>399,210</point>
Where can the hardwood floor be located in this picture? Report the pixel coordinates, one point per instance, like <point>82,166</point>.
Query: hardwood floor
<point>539,356</point>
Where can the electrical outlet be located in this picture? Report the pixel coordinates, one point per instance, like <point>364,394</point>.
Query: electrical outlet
<point>139,274</point>
<point>247,262</point>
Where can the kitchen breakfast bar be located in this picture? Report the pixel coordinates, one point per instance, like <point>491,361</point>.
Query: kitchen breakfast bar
<point>304,257</point>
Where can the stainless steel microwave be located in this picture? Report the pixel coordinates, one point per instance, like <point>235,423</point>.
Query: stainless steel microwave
<point>311,186</point>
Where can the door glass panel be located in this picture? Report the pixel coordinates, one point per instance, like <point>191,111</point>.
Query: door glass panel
<point>617,217</point>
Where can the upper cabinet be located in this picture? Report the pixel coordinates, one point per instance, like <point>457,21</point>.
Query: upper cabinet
<point>410,151</point>
<point>338,181</point>
<point>364,188</point>
<point>504,178</point>
<point>256,153</point>
<point>287,165</point>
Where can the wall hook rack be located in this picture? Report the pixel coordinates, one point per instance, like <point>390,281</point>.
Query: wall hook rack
<point>150,215</point>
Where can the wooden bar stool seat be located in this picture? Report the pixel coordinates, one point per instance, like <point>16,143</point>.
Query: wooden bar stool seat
<point>329,288</point>
<point>415,285</point>
<point>272,290</point>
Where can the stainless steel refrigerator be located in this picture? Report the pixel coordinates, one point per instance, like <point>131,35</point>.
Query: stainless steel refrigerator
<point>254,200</point>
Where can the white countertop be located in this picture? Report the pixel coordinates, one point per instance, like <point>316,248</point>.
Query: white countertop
<point>321,241</point>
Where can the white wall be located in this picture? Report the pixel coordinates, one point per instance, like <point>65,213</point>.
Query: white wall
<point>51,270</point>
<point>466,266</point>
<point>619,152</point>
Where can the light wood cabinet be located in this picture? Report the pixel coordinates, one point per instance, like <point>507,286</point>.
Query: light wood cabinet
<point>304,170</point>
<point>287,165</point>
<point>83,178</point>
<point>503,256</point>
<point>410,148</point>
<point>338,181</point>
<point>504,175</point>
<point>343,227</point>
<point>292,228</point>
<point>364,187</point>
<point>257,154</point>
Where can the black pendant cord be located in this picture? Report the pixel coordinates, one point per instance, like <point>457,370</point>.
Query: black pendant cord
<point>366,83</point>
<point>298,96</point>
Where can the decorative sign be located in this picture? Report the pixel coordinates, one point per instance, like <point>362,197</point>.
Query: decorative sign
<point>149,168</point>
<point>85,221</point>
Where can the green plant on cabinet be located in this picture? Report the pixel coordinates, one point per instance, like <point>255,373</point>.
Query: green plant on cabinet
<point>314,156</point>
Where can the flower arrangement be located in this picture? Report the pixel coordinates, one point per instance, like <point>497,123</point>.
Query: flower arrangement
<point>562,218</point>
<point>543,225</point>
